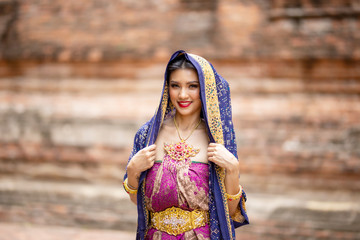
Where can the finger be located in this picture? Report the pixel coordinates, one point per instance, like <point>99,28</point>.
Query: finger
<point>149,155</point>
<point>153,158</point>
<point>153,152</point>
<point>211,149</point>
<point>215,160</point>
<point>212,159</point>
<point>149,162</point>
<point>151,147</point>
<point>213,145</point>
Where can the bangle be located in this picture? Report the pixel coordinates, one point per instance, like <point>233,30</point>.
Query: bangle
<point>236,196</point>
<point>128,189</point>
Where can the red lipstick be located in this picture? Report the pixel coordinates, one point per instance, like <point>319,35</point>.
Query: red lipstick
<point>184,104</point>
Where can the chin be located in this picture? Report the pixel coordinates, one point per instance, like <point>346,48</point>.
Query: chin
<point>187,112</point>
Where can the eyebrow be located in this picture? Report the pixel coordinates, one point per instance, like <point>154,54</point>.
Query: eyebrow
<point>196,82</point>
<point>192,82</point>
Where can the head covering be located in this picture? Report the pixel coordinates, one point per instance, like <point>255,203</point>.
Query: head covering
<point>217,113</point>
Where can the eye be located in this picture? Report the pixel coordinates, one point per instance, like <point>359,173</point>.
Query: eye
<point>174,85</point>
<point>194,86</point>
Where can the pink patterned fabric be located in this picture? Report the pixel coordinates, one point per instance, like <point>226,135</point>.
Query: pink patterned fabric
<point>183,184</point>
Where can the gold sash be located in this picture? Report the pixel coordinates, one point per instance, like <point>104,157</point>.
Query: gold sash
<point>175,220</point>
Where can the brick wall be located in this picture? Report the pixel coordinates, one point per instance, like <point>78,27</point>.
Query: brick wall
<point>94,31</point>
<point>78,79</point>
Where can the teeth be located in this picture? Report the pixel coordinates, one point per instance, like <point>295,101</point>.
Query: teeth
<point>184,104</point>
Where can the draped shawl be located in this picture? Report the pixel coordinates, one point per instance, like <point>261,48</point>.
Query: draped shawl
<point>217,113</point>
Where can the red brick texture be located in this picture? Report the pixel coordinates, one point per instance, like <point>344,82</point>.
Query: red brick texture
<point>78,78</point>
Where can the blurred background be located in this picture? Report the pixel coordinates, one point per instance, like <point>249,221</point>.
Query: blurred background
<point>78,78</point>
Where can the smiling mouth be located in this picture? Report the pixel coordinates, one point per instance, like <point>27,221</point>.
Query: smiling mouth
<point>184,104</point>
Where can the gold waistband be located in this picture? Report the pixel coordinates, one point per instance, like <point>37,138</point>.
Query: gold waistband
<point>175,220</point>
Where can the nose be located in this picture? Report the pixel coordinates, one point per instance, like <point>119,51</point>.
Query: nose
<point>183,93</point>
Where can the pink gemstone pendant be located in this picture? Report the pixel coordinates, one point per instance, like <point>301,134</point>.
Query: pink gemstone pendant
<point>178,147</point>
<point>180,151</point>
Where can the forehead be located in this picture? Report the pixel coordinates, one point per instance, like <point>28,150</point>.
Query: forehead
<point>187,75</point>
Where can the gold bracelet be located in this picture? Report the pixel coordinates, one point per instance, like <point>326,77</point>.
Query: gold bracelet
<point>236,196</point>
<point>128,189</point>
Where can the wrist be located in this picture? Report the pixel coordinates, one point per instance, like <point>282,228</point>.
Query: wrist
<point>233,169</point>
<point>132,172</point>
<point>132,180</point>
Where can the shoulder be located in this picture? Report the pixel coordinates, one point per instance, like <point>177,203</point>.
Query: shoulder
<point>166,131</point>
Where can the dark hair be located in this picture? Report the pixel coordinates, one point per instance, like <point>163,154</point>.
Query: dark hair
<point>180,62</point>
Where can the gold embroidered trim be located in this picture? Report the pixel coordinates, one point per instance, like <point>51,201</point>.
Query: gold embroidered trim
<point>164,102</point>
<point>212,101</point>
<point>214,121</point>
<point>146,212</point>
<point>243,204</point>
<point>238,217</point>
<point>221,178</point>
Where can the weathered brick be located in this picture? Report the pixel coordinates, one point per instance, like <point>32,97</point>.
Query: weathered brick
<point>82,76</point>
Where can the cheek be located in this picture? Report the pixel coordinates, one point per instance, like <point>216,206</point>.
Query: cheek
<point>195,95</point>
<point>171,93</point>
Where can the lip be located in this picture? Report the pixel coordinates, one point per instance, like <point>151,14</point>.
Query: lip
<point>184,104</point>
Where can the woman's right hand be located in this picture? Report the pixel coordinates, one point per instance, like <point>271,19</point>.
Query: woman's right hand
<point>142,160</point>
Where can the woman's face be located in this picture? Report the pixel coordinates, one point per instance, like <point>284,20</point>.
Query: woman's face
<point>184,91</point>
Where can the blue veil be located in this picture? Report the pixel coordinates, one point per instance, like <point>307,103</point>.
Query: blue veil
<point>217,113</point>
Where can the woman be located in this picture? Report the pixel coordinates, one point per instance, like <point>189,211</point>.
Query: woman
<point>183,172</point>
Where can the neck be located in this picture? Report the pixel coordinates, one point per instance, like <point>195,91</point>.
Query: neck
<point>186,123</point>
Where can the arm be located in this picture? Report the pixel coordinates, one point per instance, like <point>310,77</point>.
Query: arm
<point>141,161</point>
<point>218,154</point>
<point>232,185</point>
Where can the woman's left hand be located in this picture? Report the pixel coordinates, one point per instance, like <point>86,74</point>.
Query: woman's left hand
<point>219,155</point>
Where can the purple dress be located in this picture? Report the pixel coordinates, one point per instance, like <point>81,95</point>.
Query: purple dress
<point>182,184</point>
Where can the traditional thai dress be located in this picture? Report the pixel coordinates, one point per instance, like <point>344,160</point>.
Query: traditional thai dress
<point>176,185</point>
<point>172,192</point>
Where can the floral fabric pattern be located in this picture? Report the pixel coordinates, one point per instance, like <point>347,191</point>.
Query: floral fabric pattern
<point>180,184</point>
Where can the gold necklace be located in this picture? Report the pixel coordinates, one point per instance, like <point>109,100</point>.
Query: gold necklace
<point>181,151</point>
<point>178,131</point>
